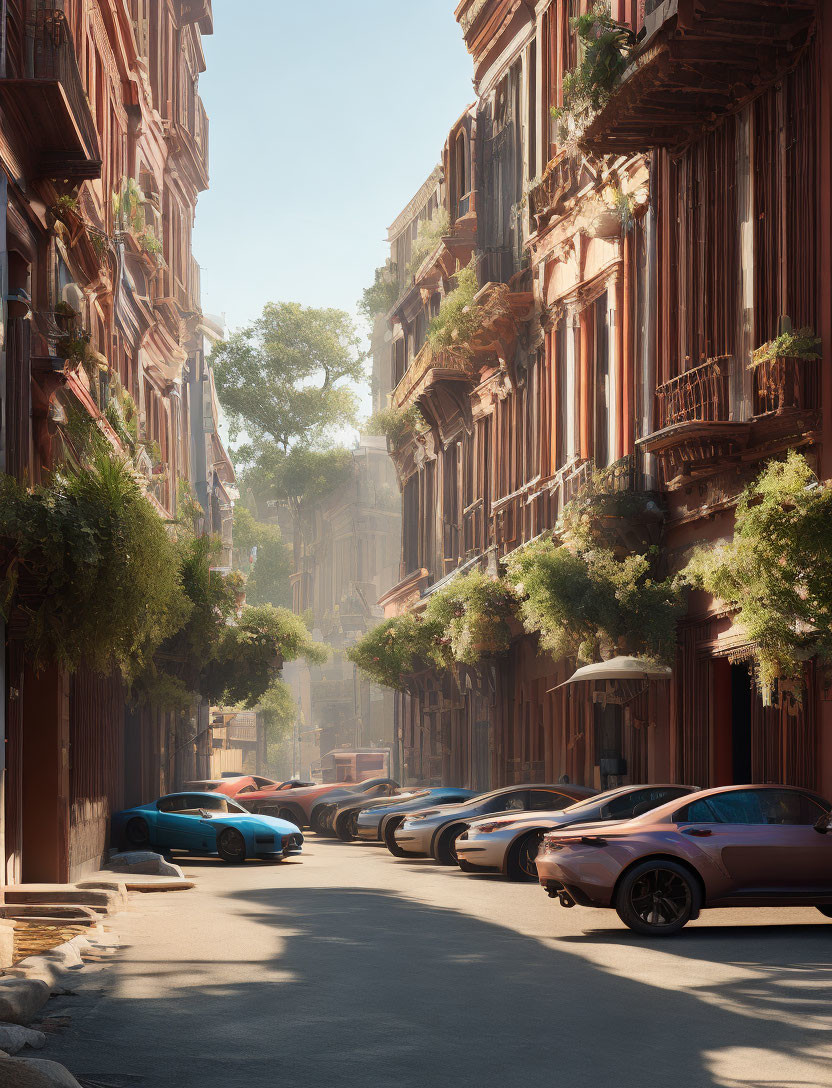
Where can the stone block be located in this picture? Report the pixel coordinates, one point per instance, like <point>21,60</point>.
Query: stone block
<point>6,943</point>
<point>14,1037</point>
<point>35,1073</point>
<point>143,861</point>
<point>21,999</point>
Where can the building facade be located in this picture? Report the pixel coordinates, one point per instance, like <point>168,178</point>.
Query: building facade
<point>103,153</point>
<point>346,552</point>
<point>625,276</point>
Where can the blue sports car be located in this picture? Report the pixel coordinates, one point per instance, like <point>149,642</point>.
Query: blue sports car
<point>205,823</point>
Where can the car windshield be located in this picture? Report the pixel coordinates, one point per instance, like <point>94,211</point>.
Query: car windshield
<point>597,798</point>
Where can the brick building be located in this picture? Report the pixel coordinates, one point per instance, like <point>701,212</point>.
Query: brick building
<point>103,153</point>
<point>625,280</point>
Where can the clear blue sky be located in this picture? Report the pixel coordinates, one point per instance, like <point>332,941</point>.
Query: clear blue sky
<point>325,118</point>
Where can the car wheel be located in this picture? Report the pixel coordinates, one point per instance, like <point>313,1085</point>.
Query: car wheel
<point>444,850</point>
<point>289,816</point>
<point>231,846</point>
<point>137,832</point>
<point>316,820</point>
<point>390,838</point>
<point>466,866</point>
<point>346,826</point>
<point>657,898</point>
<point>826,911</point>
<point>522,859</point>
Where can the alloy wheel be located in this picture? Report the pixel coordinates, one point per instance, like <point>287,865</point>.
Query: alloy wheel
<point>660,898</point>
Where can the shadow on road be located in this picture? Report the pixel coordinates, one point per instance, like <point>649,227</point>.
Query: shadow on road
<point>370,988</point>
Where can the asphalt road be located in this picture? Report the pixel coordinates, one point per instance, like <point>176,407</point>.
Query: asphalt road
<point>349,967</point>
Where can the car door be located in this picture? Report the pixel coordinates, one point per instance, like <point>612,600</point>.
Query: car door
<point>752,835</point>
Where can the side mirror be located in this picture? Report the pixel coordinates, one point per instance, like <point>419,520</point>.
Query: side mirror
<point>824,824</point>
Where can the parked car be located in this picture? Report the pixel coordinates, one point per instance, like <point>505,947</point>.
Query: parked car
<point>296,805</point>
<point>434,831</point>
<point>372,820</point>
<point>205,822</point>
<point>342,816</point>
<point>250,783</point>
<point>509,844</point>
<point>322,813</point>
<point>735,846</point>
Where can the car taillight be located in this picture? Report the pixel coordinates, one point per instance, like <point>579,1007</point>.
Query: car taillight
<point>572,840</point>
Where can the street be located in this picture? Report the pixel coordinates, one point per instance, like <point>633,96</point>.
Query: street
<point>348,967</point>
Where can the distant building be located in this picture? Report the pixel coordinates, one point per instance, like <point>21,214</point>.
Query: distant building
<point>346,554</point>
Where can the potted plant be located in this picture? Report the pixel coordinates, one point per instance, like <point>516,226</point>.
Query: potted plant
<point>782,378</point>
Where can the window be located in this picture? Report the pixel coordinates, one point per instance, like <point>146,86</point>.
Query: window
<point>508,802</point>
<point>623,806</point>
<point>789,807</point>
<point>175,803</point>
<point>547,800</point>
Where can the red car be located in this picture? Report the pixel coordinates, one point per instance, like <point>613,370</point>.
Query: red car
<point>296,805</point>
<point>736,846</point>
<point>251,783</point>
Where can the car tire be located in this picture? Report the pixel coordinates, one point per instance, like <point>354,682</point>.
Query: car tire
<point>657,898</point>
<point>231,846</point>
<point>137,832</point>
<point>466,866</point>
<point>390,838</point>
<point>826,911</point>
<point>444,850</point>
<point>346,826</point>
<point>521,858</point>
<point>315,820</point>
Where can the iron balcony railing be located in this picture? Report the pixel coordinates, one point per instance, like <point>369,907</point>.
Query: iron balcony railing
<point>49,55</point>
<point>700,395</point>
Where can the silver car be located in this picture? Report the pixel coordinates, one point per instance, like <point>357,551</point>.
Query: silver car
<point>433,831</point>
<point>509,844</point>
<point>373,818</point>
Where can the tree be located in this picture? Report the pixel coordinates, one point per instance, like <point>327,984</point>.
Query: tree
<point>287,382</point>
<point>289,378</point>
<point>268,575</point>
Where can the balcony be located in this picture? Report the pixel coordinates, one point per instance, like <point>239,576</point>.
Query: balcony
<point>699,61</point>
<point>787,384</point>
<point>695,425</point>
<point>428,368</point>
<point>548,195</point>
<point>48,106</point>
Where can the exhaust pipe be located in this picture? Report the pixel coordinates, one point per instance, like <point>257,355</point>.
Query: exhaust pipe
<point>565,898</point>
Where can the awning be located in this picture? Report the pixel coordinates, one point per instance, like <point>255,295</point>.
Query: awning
<point>619,668</point>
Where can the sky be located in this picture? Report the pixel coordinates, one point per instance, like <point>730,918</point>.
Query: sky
<point>325,118</point>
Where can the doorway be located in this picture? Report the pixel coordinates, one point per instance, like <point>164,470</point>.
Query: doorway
<point>741,724</point>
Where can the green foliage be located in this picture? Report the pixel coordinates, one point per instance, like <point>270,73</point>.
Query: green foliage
<point>795,344</point>
<point>604,49</point>
<point>394,649</point>
<point>279,712</point>
<point>189,508</point>
<point>297,476</point>
<point>229,657</point>
<point>153,451</point>
<point>150,243</point>
<point>583,601</point>
<point>382,295</point>
<point>777,570</point>
<point>472,612</point>
<point>289,378</point>
<point>459,316</point>
<point>74,347</point>
<point>268,576</point>
<point>396,423</point>
<point>582,522</point>
<point>429,234</point>
<point>65,205</point>
<point>121,414</point>
<point>90,567</point>
<point>128,207</point>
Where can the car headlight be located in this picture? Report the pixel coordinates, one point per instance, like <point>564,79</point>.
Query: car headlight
<point>486,829</point>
